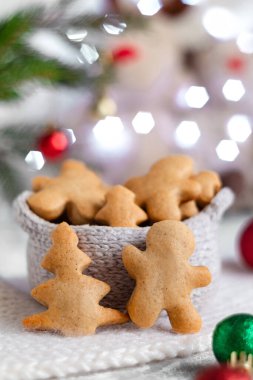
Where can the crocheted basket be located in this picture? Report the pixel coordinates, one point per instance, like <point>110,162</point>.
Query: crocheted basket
<point>104,246</point>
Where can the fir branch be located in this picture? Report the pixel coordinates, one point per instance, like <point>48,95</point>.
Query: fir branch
<point>29,67</point>
<point>7,93</point>
<point>15,143</point>
<point>19,63</point>
<point>10,181</point>
<point>19,140</point>
<point>13,30</point>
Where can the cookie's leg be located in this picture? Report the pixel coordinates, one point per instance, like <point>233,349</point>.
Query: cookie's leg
<point>184,318</point>
<point>143,308</point>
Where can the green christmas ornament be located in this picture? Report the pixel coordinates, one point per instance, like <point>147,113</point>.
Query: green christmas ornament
<point>234,333</point>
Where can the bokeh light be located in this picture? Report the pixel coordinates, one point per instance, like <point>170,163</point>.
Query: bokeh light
<point>110,134</point>
<point>149,7</point>
<point>196,97</point>
<point>220,23</point>
<point>143,123</point>
<point>35,160</point>
<point>227,150</point>
<point>239,128</point>
<point>187,134</point>
<point>233,90</point>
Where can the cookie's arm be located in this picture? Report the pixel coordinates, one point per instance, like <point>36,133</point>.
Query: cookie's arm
<point>133,260</point>
<point>38,183</point>
<point>189,190</point>
<point>49,204</point>
<point>210,184</point>
<point>200,277</point>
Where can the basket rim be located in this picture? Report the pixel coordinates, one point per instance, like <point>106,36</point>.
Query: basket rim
<point>216,208</point>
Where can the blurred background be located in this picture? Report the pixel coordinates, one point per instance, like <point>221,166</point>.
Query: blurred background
<point>121,83</point>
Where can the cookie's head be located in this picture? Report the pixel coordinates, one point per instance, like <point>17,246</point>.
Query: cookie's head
<point>171,237</point>
<point>173,167</point>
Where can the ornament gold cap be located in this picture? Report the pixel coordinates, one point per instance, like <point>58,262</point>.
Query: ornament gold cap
<point>102,107</point>
<point>241,360</point>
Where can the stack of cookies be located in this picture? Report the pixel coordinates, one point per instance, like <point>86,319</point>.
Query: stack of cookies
<point>164,279</point>
<point>169,191</point>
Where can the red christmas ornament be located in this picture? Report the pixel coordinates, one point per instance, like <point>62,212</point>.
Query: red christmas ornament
<point>124,53</point>
<point>223,373</point>
<point>246,244</point>
<point>236,64</point>
<point>174,7</point>
<point>53,144</point>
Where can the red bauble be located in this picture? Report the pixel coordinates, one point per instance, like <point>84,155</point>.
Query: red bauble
<point>246,244</point>
<point>53,144</point>
<point>125,53</point>
<point>236,64</point>
<point>174,7</point>
<point>223,373</point>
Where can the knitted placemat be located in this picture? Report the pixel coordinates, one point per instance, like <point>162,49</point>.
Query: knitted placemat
<point>25,355</point>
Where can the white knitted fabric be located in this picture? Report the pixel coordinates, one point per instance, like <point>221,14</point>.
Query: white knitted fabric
<point>29,356</point>
<point>104,246</point>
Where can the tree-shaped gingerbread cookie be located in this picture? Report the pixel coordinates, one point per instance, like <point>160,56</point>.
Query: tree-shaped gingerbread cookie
<point>72,298</point>
<point>164,278</point>
<point>77,191</point>
<point>120,209</point>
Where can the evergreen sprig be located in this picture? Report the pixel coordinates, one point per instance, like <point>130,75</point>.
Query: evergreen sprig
<point>18,139</point>
<point>10,180</point>
<point>15,143</point>
<point>19,63</point>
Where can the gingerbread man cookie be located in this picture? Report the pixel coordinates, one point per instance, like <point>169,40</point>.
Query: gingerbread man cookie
<point>164,278</point>
<point>210,183</point>
<point>77,190</point>
<point>71,297</point>
<point>188,209</point>
<point>120,209</point>
<point>166,187</point>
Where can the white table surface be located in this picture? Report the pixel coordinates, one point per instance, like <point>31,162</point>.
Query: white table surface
<point>13,270</point>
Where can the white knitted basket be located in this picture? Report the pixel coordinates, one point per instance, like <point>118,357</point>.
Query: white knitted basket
<point>104,246</point>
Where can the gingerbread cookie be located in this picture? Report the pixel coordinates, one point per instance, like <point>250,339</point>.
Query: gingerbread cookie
<point>164,278</point>
<point>188,209</point>
<point>210,185</point>
<point>71,297</point>
<point>166,187</point>
<point>120,209</point>
<point>77,190</point>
